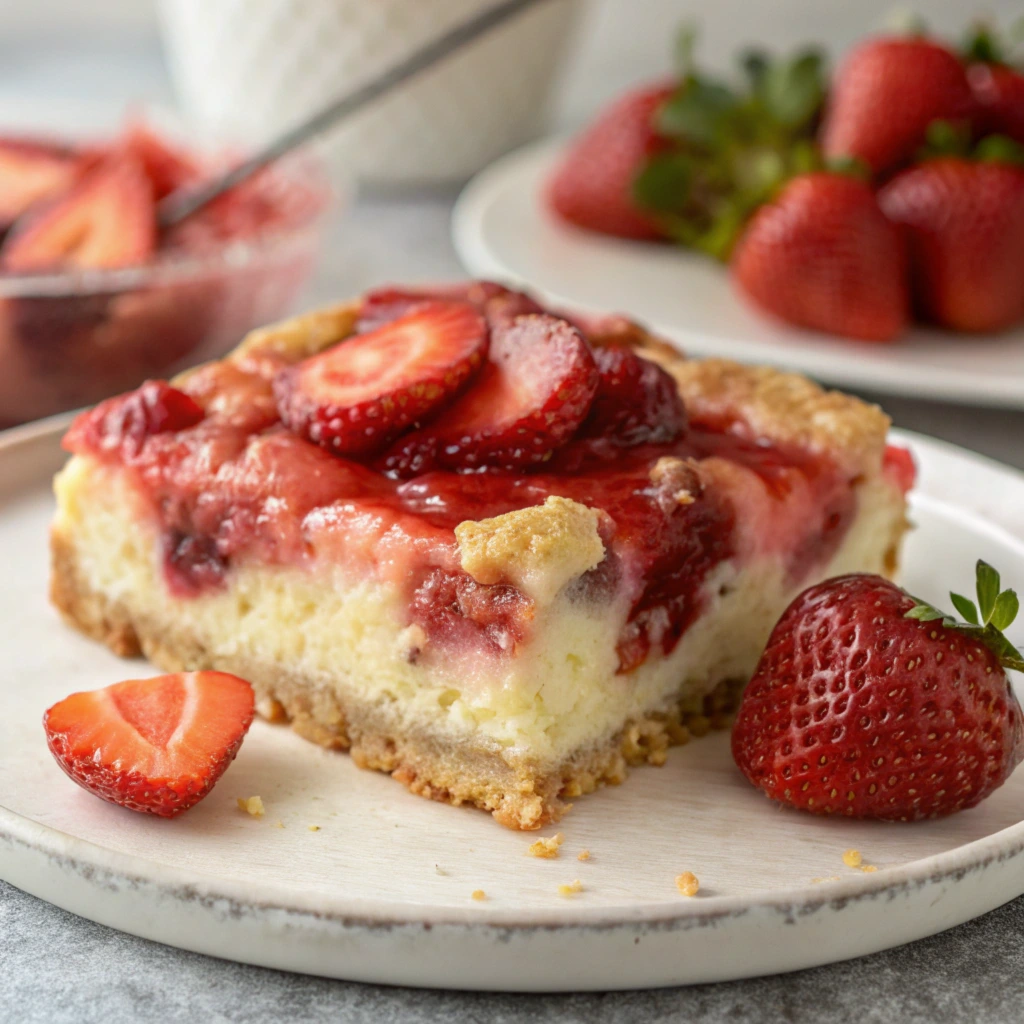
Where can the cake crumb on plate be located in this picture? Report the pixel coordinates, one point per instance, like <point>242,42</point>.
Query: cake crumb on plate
<point>314,828</point>
<point>546,847</point>
<point>852,858</point>
<point>583,855</point>
<point>687,883</point>
<point>478,894</point>
<point>251,805</point>
<point>571,889</point>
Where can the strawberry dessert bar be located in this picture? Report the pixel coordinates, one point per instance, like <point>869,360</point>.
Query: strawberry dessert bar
<point>495,550</point>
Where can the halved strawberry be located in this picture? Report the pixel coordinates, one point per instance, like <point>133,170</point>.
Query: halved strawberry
<point>108,219</point>
<point>637,402</point>
<point>355,398</point>
<point>530,398</point>
<point>383,305</point>
<point>31,170</point>
<point>152,745</point>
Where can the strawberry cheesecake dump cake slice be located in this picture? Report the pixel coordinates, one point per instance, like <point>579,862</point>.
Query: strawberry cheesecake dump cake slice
<point>493,550</point>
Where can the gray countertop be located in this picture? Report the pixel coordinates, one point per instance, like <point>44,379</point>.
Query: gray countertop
<point>55,967</point>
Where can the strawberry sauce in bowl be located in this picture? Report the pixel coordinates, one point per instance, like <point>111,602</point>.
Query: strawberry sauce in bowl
<point>93,299</point>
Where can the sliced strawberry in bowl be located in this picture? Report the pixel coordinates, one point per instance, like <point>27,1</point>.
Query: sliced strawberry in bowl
<point>637,402</point>
<point>529,399</point>
<point>167,167</point>
<point>152,745</point>
<point>360,395</point>
<point>31,170</point>
<point>107,219</point>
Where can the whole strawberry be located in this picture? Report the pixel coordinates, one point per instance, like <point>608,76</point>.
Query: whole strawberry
<point>963,221</point>
<point>997,85</point>
<point>886,95</point>
<point>593,187</point>
<point>823,256</point>
<point>871,704</point>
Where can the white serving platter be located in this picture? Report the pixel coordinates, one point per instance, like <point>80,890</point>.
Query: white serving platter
<point>382,892</point>
<point>502,230</point>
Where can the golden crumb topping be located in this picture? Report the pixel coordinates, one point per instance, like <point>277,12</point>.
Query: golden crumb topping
<point>301,336</point>
<point>538,549</point>
<point>783,407</point>
<point>251,805</point>
<point>687,883</point>
<point>546,847</point>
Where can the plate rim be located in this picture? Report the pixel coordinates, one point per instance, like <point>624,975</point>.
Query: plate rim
<point>1004,845</point>
<point>480,192</point>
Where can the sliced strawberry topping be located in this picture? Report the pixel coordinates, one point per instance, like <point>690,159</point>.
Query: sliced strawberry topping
<point>358,396</point>
<point>531,397</point>
<point>152,745</point>
<point>637,402</point>
<point>31,170</point>
<point>386,304</point>
<point>123,423</point>
<point>106,220</point>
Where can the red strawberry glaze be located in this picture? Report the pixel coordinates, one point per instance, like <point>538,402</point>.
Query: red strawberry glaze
<point>237,486</point>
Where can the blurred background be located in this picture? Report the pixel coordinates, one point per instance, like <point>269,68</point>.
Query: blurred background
<point>240,70</point>
<point>110,50</point>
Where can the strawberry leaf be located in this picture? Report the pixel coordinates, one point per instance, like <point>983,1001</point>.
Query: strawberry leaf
<point>998,610</point>
<point>999,149</point>
<point>698,113</point>
<point>988,590</point>
<point>1008,655</point>
<point>944,138</point>
<point>664,182</point>
<point>754,64</point>
<point>686,43</point>
<point>925,613</point>
<point>1005,611</point>
<point>794,90</point>
<point>965,608</point>
<point>982,45</point>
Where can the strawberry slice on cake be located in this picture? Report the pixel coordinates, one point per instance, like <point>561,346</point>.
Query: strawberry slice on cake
<point>495,551</point>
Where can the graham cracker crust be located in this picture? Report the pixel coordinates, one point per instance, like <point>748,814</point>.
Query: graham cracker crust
<point>520,794</point>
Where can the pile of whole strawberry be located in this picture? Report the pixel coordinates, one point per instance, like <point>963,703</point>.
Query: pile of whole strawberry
<point>897,191</point>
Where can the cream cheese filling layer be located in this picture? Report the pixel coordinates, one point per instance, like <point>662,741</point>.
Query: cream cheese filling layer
<point>558,695</point>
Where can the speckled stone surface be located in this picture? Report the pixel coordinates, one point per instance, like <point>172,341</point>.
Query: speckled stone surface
<point>59,969</point>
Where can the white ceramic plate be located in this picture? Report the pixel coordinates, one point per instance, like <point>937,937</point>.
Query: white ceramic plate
<point>502,230</point>
<point>381,892</point>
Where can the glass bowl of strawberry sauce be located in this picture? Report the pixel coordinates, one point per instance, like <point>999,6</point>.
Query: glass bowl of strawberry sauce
<point>94,299</point>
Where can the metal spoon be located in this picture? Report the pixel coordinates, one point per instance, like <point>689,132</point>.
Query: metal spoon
<point>184,202</point>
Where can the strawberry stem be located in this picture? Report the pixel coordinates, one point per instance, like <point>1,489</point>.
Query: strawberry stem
<point>998,608</point>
